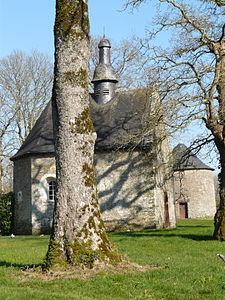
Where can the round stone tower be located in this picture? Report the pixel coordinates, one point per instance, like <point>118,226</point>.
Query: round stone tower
<point>104,78</point>
<point>193,185</point>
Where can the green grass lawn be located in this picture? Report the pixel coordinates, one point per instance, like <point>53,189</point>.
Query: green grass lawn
<point>186,257</point>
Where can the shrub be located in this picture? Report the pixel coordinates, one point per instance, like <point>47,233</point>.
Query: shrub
<point>6,201</point>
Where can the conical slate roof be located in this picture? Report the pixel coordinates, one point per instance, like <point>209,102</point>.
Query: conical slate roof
<point>122,122</point>
<point>184,159</point>
<point>104,70</point>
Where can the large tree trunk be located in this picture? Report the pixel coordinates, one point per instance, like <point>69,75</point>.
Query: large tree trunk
<point>79,235</point>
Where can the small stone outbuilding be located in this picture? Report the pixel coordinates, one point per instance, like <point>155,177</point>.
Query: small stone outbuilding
<point>193,185</point>
<point>130,161</point>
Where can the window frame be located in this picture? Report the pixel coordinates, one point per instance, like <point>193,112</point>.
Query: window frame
<point>51,189</point>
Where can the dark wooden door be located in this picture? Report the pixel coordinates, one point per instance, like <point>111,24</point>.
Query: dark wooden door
<point>183,210</point>
<point>166,211</point>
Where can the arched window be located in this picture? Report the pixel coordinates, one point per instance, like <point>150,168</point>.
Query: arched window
<point>51,190</point>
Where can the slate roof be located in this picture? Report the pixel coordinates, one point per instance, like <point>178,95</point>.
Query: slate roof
<point>40,138</point>
<point>184,159</point>
<point>122,122</point>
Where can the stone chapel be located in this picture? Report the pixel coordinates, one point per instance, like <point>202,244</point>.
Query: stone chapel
<point>131,161</point>
<point>194,189</point>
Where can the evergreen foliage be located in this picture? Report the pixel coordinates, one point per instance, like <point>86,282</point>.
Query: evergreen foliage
<point>6,203</point>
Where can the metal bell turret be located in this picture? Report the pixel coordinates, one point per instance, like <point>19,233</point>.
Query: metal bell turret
<point>104,78</point>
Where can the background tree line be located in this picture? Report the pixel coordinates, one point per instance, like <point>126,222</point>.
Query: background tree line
<point>25,88</point>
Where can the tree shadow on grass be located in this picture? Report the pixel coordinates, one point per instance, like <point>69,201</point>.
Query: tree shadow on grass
<point>18,266</point>
<point>193,226</point>
<point>165,234</point>
<point>198,237</point>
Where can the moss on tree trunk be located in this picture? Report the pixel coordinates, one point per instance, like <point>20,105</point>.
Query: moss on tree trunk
<point>219,219</point>
<point>219,225</point>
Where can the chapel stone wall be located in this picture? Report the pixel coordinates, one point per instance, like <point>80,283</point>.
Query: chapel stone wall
<point>126,190</point>
<point>164,192</point>
<point>43,171</point>
<point>126,182</point>
<point>125,185</point>
<point>22,194</point>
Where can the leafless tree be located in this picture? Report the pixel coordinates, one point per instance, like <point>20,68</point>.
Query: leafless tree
<point>25,88</point>
<point>79,236</point>
<point>191,72</point>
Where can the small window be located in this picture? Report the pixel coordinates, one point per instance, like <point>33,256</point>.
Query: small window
<point>51,190</point>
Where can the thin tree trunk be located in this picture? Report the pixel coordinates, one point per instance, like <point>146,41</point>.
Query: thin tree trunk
<point>1,164</point>
<point>219,219</point>
<point>79,235</point>
<point>217,127</point>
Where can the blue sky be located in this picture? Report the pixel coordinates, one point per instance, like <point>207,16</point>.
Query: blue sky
<point>28,24</point>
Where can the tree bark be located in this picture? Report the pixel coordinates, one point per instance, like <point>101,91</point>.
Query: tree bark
<point>79,236</point>
<point>217,127</point>
<point>1,164</point>
<point>219,219</point>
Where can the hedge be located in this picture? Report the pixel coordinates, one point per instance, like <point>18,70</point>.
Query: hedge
<point>6,203</point>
